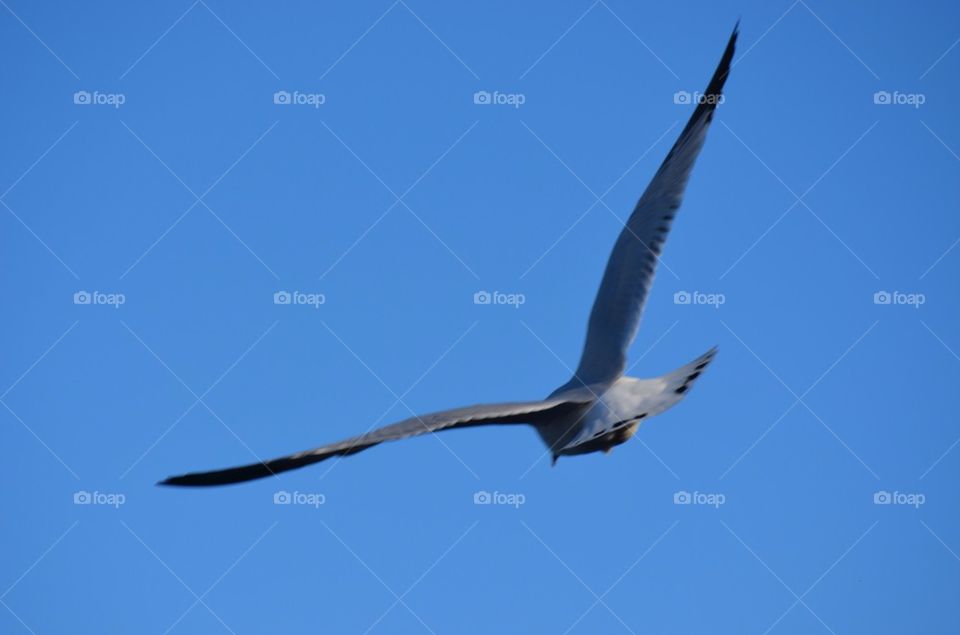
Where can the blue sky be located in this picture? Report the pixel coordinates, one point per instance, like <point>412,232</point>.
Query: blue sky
<point>147,165</point>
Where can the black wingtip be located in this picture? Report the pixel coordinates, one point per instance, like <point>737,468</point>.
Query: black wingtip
<point>252,471</point>
<point>723,68</point>
<point>177,481</point>
<point>174,481</point>
<point>712,96</point>
<point>221,477</point>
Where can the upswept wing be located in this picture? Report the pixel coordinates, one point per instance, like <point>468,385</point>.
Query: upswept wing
<point>629,274</point>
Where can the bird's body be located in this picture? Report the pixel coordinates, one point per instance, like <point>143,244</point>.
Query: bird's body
<point>600,407</point>
<point>616,411</point>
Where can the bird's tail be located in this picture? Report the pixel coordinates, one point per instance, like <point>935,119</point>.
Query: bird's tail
<point>680,380</point>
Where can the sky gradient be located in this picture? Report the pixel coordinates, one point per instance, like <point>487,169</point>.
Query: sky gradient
<point>231,233</point>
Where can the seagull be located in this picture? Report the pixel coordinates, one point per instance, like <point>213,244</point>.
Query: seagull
<point>599,407</point>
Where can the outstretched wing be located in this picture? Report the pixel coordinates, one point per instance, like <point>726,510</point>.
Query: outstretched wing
<point>504,413</point>
<point>616,311</point>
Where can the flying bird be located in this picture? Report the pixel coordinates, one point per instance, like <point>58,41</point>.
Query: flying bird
<point>599,407</point>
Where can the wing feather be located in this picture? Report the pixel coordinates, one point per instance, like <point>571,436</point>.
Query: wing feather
<point>616,312</point>
<point>485,414</point>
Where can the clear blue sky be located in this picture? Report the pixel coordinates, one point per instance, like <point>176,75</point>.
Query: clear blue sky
<point>183,190</point>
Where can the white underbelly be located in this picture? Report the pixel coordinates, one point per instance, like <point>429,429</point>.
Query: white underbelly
<point>626,403</point>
